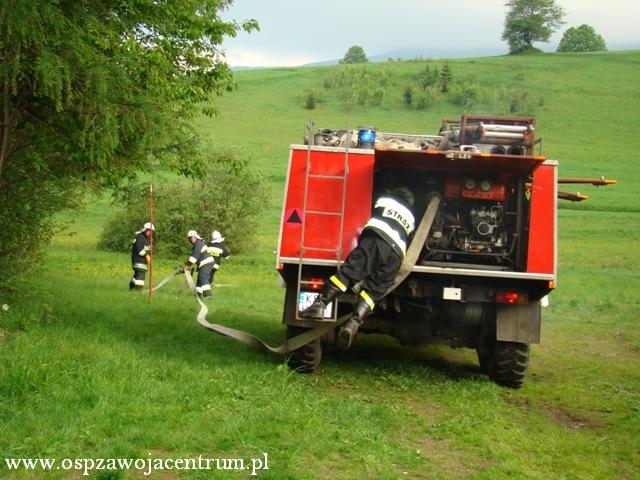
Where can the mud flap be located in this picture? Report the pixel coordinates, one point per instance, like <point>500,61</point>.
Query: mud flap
<point>518,323</point>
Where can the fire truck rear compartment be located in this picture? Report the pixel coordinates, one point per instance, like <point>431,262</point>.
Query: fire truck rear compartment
<point>481,220</point>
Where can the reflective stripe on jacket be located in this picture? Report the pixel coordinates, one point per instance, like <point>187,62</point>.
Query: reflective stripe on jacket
<point>139,251</point>
<point>199,254</point>
<point>218,251</point>
<point>393,220</point>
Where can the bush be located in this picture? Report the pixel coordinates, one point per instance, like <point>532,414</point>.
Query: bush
<point>229,199</point>
<point>426,99</point>
<point>582,39</point>
<point>520,102</point>
<point>357,86</point>
<point>428,78</point>
<point>446,77</point>
<point>28,219</point>
<point>311,99</point>
<point>378,96</point>
<point>407,96</point>
<point>467,95</point>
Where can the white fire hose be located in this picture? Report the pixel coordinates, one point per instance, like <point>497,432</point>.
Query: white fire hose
<point>298,341</point>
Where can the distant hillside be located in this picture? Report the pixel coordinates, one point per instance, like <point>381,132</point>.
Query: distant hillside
<point>413,53</point>
<point>586,106</point>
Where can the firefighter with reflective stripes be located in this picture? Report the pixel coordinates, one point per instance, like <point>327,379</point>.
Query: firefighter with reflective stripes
<point>141,256</point>
<point>371,267</point>
<point>203,262</point>
<point>218,250</point>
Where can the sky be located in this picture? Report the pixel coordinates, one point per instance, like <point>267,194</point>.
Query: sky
<point>294,32</point>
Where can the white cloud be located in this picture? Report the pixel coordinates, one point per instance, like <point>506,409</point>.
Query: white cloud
<point>255,58</point>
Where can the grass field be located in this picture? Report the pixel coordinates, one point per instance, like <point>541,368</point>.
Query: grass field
<point>88,370</point>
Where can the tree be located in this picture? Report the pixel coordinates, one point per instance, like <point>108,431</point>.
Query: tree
<point>582,39</point>
<point>355,54</point>
<point>311,99</point>
<point>529,21</point>
<point>91,93</point>
<point>407,96</point>
<point>445,78</point>
<point>427,77</point>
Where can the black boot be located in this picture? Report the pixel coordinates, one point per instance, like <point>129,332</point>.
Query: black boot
<point>316,309</point>
<point>348,332</point>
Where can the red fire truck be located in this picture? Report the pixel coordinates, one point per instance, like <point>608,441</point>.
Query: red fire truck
<point>490,256</point>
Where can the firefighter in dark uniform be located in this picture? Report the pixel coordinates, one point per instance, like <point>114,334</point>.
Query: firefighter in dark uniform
<point>218,250</point>
<point>140,256</point>
<point>203,262</point>
<point>371,267</point>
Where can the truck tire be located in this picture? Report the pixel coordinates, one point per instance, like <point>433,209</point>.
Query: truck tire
<point>308,357</point>
<point>508,365</point>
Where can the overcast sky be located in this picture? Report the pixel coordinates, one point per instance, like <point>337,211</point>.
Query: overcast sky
<point>294,32</point>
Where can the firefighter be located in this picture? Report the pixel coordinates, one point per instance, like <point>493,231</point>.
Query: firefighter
<point>218,250</point>
<point>371,267</point>
<point>140,255</point>
<point>202,261</point>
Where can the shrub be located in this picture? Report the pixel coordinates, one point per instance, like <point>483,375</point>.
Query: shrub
<point>28,219</point>
<point>427,99</point>
<point>445,78</point>
<point>427,77</point>
<point>311,100</point>
<point>378,96</point>
<point>520,102</point>
<point>229,199</point>
<point>356,85</point>
<point>582,39</point>
<point>407,96</point>
<point>467,95</point>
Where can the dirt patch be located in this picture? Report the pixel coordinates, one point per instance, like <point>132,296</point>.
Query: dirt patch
<point>520,402</point>
<point>571,420</point>
<point>423,407</point>
<point>333,466</point>
<point>627,342</point>
<point>444,457</point>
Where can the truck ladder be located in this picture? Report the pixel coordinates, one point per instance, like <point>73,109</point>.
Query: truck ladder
<point>305,210</point>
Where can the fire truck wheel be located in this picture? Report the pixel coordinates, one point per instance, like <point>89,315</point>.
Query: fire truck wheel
<point>508,366</point>
<point>307,358</point>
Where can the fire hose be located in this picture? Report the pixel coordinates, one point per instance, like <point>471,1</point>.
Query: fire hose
<point>298,341</point>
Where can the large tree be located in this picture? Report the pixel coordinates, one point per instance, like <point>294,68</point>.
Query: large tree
<point>93,91</point>
<point>582,39</point>
<point>355,54</point>
<point>529,21</point>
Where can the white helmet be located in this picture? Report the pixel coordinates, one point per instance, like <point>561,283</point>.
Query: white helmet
<point>216,237</point>
<point>193,233</point>
<point>148,226</point>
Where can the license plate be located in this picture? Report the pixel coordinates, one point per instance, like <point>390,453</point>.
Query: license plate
<point>307,298</point>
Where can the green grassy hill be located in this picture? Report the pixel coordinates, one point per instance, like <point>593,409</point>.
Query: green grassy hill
<point>88,370</point>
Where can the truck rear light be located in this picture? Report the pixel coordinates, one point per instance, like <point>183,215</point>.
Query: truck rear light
<point>313,283</point>
<point>512,297</point>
